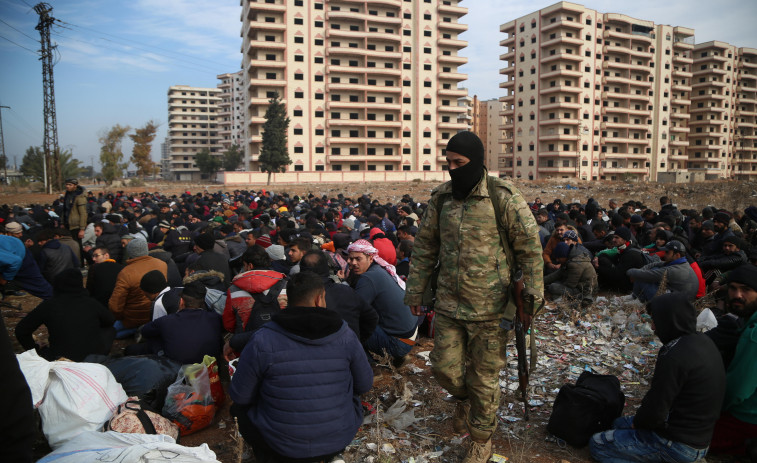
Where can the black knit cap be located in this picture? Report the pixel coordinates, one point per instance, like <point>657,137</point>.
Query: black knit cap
<point>205,241</point>
<point>746,274</point>
<point>153,282</point>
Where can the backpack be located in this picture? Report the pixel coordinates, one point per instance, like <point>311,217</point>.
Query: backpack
<point>588,407</point>
<point>265,306</point>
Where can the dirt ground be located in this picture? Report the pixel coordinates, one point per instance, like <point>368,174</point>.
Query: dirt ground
<point>731,195</point>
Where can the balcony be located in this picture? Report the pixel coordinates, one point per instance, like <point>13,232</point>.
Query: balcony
<point>559,137</point>
<point>618,125</point>
<point>560,89</point>
<point>266,26</point>
<point>452,59</point>
<point>558,154</point>
<point>561,72</point>
<point>508,42</point>
<point>254,6</point>
<point>453,43</point>
<point>255,45</point>
<point>454,92</point>
<point>456,10</point>
<point>452,26</point>
<point>562,57</point>
<point>457,76</point>
<point>361,140</point>
<point>561,40</point>
<point>268,82</point>
<point>559,121</point>
<point>575,25</point>
<point>560,104</point>
<point>452,109</point>
<point>556,169</point>
<point>624,170</point>
<point>262,63</point>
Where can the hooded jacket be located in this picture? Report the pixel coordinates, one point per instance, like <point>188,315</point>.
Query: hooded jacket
<point>688,384</point>
<point>239,300</point>
<point>301,377</point>
<point>54,258</point>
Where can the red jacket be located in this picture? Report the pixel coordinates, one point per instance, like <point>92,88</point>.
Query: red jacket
<point>385,247</point>
<point>239,300</point>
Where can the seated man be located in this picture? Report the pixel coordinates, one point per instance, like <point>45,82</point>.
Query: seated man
<point>189,334</point>
<point>678,274</point>
<point>128,302</point>
<point>730,256</point>
<point>677,415</point>
<point>102,276</point>
<point>576,276</point>
<point>736,430</point>
<point>54,256</point>
<point>77,324</point>
<point>613,263</point>
<point>378,284</point>
<point>165,299</point>
<point>297,385</point>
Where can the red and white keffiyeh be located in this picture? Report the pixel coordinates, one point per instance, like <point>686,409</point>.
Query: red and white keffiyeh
<point>367,248</point>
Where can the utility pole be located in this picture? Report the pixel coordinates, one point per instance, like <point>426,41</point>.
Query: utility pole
<point>2,145</point>
<point>52,174</point>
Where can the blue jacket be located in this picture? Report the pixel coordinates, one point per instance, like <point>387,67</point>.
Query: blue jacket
<point>301,375</point>
<point>380,290</point>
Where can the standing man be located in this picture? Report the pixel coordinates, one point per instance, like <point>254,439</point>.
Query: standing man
<point>460,231</point>
<point>75,210</point>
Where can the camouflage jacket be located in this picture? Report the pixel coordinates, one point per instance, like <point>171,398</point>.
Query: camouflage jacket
<point>474,276</point>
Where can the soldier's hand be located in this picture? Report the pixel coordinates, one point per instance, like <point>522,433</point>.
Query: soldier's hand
<point>417,310</point>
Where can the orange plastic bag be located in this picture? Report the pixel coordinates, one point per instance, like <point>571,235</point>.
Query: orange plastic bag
<point>189,402</point>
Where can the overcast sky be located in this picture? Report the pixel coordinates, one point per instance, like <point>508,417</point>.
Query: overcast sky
<point>117,59</point>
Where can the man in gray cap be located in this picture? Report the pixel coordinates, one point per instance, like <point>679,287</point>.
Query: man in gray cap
<point>461,231</point>
<point>678,274</point>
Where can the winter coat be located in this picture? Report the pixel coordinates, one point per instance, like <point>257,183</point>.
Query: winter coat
<point>384,245</point>
<point>464,237</point>
<point>741,385</point>
<point>101,280</point>
<point>174,276</point>
<point>54,258</point>
<point>177,242</point>
<point>239,300</point>
<point>722,261</point>
<point>74,322</point>
<point>680,277</point>
<point>75,209</point>
<point>687,388</point>
<point>376,287</point>
<point>128,302</point>
<point>187,335</point>
<point>211,260</point>
<point>549,248</point>
<point>302,376</point>
<point>612,269</point>
<point>111,240</point>
<point>578,272</point>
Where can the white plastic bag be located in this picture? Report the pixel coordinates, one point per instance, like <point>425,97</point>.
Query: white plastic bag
<point>78,397</point>
<point>97,447</point>
<point>706,320</point>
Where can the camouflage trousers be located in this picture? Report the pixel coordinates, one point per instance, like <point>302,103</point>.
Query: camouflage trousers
<point>466,361</point>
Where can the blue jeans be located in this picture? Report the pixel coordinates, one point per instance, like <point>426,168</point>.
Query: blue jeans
<point>645,291</point>
<point>625,444</point>
<point>122,332</point>
<point>380,341</point>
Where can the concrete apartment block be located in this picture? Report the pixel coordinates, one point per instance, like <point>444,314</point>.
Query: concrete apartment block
<point>231,110</point>
<point>192,126</point>
<point>369,86</point>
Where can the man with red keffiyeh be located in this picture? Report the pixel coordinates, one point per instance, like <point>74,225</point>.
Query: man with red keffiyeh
<point>379,285</point>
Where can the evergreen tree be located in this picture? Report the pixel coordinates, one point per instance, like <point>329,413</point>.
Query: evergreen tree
<point>273,154</point>
<point>141,153</point>
<point>207,163</point>
<point>111,156</point>
<point>232,158</point>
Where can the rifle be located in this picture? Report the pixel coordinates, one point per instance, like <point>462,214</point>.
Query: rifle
<point>520,339</point>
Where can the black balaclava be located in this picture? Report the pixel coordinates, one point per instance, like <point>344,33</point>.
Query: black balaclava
<point>465,178</point>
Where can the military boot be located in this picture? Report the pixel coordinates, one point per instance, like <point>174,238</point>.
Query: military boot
<point>478,452</point>
<point>460,418</point>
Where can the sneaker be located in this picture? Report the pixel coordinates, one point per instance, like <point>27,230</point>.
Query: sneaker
<point>460,418</point>
<point>478,452</point>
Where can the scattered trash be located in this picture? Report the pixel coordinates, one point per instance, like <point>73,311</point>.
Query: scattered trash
<point>498,458</point>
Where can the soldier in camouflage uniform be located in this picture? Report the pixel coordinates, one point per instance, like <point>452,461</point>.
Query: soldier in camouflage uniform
<point>459,230</point>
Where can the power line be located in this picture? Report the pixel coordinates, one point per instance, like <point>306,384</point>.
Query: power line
<point>20,32</point>
<point>186,65</point>
<point>18,45</point>
<point>123,39</point>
